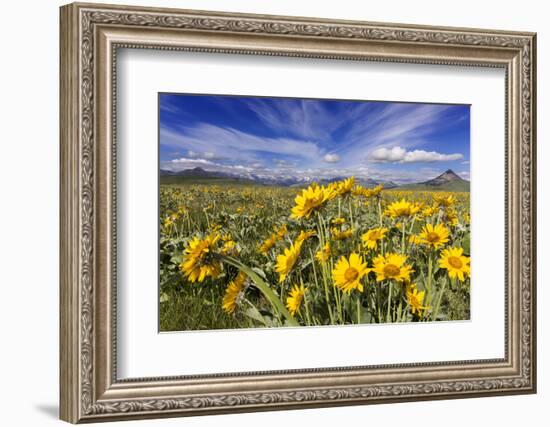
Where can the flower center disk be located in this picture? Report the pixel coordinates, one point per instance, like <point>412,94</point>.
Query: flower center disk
<point>391,270</point>
<point>455,262</point>
<point>351,274</point>
<point>433,237</point>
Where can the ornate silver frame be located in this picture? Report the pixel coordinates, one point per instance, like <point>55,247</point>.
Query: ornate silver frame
<point>90,36</point>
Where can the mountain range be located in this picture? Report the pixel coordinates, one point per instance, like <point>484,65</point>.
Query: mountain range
<point>447,181</point>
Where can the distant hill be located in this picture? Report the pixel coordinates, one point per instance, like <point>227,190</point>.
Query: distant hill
<point>195,172</point>
<point>199,174</point>
<point>447,181</point>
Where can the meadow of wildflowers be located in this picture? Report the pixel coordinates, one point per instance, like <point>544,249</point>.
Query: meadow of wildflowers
<point>234,255</point>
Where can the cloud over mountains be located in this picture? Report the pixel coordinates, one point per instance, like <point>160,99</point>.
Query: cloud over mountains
<point>312,137</point>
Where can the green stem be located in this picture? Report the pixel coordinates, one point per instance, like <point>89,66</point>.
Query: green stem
<point>438,305</point>
<point>403,238</point>
<point>378,303</point>
<point>325,285</point>
<point>412,224</point>
<point>338,304</point>
<point>388,313</point>
<point>379,212</point>
<point>430,274</point>
<point>400,308</point>
<point>308,318</point>
<point>350,212</point>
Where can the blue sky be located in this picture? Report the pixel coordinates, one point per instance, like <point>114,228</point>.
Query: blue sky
<point>313,138</point>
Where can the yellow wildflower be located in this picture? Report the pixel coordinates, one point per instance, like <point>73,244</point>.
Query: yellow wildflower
<point>295,299</point>
<point>457,265</point>
<point>233,293</point>
<point>347,273</point>
<point>370,238</point>
<point>199,261</point>
<point>392,266</point>
<point>286,261</point>
<point>434,236</point>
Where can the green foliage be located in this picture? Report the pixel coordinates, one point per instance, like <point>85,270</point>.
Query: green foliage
<point>248,214</point>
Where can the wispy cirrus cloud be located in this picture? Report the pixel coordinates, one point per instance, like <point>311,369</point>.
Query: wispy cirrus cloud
<point>331,158</point>
<point>395,125</point>
<point>305,119</point>
<point>320,137</point>
<point>235,144</point>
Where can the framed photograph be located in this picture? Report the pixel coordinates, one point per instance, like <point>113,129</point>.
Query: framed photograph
<point>266,212</point>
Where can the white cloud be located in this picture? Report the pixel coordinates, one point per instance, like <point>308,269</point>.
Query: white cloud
<point>465,175</point>
<point>409,126</point>
<point>395,174</point>
<point>331,158</point>
<point>183,163</point>
<point>388,155</point>
<point>466,162</point>
<point>229,143</point>
<point>203,155</point>
<point>400,155</point>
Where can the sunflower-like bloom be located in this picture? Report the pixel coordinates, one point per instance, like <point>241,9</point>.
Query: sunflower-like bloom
<point>228,246</point>
<point>402,209</point>
<point>415,240</point>
<point>199,261</point>
<point>392,266</point>
<point>286,261</point>
<point>374,192</point>
<point>434,236</point>
<point>304,235</point>
<point>444,200</point>
<point>345,186</point>
<point>322,255</point>
<point>281,231</point>
<point>359,190</point>
<point>416,300</point>
<point>170,220</point>
<point>312,198</point>
<point>450,217</point>
<point>370,238</point>
<point>233,293</point>
<point>429,211</point>
<point>268,243</point>
<point>341,234</point>
<point>457,265</point>
<point>338,221</point>
<point>295,299</point>
<point>332,190</point>
<point>347,273</point>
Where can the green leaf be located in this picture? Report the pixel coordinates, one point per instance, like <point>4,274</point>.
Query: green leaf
<point>264,289</point>
<point>260,272</point>
<point>254,314</point>
<point>466,244</point>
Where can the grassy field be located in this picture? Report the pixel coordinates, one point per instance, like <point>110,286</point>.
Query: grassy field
<point>455,186</point>
<point>236,255</point>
